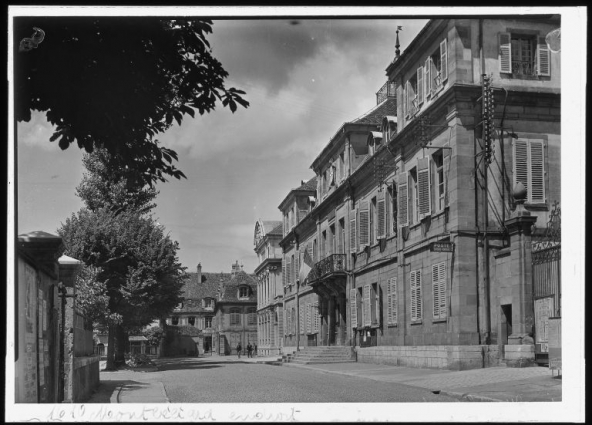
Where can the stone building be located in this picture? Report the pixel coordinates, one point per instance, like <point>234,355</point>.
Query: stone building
<point>433,205</point>
<point>270,292</point>
<point>236,312</point>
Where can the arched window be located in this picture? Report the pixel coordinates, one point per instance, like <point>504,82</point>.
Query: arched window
<point>235,316</point>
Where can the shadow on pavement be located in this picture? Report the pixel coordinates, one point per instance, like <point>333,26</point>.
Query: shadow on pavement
<point>180,364</point>
<point>107,388</point>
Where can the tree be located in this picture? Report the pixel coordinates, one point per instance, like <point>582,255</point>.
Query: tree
<point>117,82</point>
<point>140,272</point>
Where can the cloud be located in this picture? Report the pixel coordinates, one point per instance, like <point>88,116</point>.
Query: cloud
<point>36,132</point>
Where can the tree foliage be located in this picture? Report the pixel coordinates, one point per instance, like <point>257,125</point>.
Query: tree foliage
<point>117,82</point>
<point>140,271</point>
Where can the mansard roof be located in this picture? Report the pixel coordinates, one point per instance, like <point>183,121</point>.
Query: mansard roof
<point>230,291</point>
<point>375,115</point>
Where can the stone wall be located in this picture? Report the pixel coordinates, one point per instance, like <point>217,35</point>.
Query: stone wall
<point>85,377</point>
<point>452,357</point>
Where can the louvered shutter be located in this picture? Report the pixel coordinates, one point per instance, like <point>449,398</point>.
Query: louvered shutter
<point>436,291</point>
<point>352,231</point>
<point>392,284</point>
<point>521,163</point>
<point>444,60</point>
<point>367,315</point>
<point>423,187</point>
<point>403,195</point>
<point>296,265</point>
<point>284,280</point>
<point>505,53</point>
<point>389,304</point>
<point>288,322</point>
<point>301,318</point>
<point>381,212</point>
<point>415,279</point>
<point>537,172</point>
<point>419,85</point>
<point>308,319</point>
<point>543,57</point>
<point>443,292</point>
<point>353,307</point>
<point>428,76</point>
<point>289,270</point>
<point>364,224</point>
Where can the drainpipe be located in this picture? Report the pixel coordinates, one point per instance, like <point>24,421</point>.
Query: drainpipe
<point>297,298</point>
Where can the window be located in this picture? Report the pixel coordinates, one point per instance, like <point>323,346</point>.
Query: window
<point>529,168</point>
<point>391,299</point>
<point>352,231</point>
<point>411,100</point>
<point>413,197</point>
<point>366,305</point>
<point>252,316</point>
<point>235,316</point>
<point>439,192</point>
<point>375,304</point>
<point>316,317</point>
<point>243,292</point>
<point>192,320</point>
<point>175,320</point>
<point>341,165</point>
<point>333,244</point>
<point>314,250</point>
<point>208,322</point>
<point>208,303</point>
<point>524,55</point>
<point>415,283</point>
<point>436,70</point>
<point>439,290</point>
<point>341,234</point>
<point>323,244</point>
<point>308,318</point>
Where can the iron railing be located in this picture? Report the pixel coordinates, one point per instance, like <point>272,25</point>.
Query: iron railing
<point>327,266</point>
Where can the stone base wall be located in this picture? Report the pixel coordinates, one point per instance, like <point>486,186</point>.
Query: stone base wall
<point>452,357</point>
<point>519,355</point>
<point>85,377</point>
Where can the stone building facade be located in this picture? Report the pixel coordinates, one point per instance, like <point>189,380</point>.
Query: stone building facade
<point>428,205</point>
<point>270,292</point>
<point>222,309</point>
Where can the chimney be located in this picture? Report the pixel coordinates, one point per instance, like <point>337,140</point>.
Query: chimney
<point>302,182</point>
<point>235,268</point>
<point>199,273</point>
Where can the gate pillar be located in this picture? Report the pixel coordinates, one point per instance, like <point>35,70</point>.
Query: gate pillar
<point>520,349</point>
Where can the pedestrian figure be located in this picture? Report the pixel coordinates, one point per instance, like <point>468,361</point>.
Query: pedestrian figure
<point>255,349</point>
<point>249,350</point>
<point>238,349</point>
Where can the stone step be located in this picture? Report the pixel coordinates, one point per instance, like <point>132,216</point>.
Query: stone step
<point>318,361</point>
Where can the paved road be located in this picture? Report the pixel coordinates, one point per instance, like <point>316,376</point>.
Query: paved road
<point>205,380</point>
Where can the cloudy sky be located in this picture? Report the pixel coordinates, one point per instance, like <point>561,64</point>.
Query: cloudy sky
<point>303,80</point>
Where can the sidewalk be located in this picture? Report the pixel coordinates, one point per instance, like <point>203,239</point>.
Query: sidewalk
<point>531,384</point>
<point>489,384</point>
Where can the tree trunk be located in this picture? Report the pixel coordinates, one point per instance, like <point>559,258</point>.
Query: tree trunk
<point>120,345</point>
<point>111,347</point>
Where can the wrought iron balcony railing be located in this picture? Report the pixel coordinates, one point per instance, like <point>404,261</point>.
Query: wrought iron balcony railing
<point>327,266</point>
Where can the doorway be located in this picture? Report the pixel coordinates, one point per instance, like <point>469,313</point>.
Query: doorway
<point>506,325</point>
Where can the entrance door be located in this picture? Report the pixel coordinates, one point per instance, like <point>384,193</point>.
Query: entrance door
<point>506,325</point>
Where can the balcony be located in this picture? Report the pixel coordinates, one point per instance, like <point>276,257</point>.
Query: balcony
<point>331,266</point>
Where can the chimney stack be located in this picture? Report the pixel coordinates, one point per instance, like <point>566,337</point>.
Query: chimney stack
<point>199,273</point>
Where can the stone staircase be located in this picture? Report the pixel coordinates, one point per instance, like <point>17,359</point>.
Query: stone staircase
<point>315,355</point>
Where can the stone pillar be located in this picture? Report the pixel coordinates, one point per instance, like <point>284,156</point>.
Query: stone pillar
<point>520,349</point>
<point>330,320</point>
<point>342,318</point>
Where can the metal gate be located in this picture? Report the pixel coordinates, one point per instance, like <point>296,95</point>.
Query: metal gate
<point>546,276</point>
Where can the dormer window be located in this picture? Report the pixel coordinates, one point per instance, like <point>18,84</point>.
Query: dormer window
<point>179,306</point>
<point>208,303</point>
<point>243,292</point>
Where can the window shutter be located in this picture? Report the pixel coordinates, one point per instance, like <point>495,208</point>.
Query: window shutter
<point>366,307</point>
<point>353,307</point>
<point>543,58</point>
<point>405,108</point>
<point>428,77</point>
<point>436,291</point>
<point>296,264</point>
<point>443,292</point>
<point>284,280</point>
<point>308,318</point>
<point>389,304</point>
<point>288,322</point>
<point>505,53</point>
<point>393,302</point>
<point>289,270</point>
<point>381,212</point>
<point>537,172</point>
<point>402,195</point>
<point>364,224</point>
<point>419,85</point>
<point>415,279</point>
<point>444,60</point>
<point>301,317</point>
<point>521,163</point>
<point>423,187</point>
<point>352,231</point>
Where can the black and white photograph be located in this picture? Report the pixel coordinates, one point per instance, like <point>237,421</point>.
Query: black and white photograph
<point>303,214</point>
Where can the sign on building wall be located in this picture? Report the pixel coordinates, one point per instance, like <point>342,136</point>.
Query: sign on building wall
<point>442,247</point>
<point>543,309</point>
